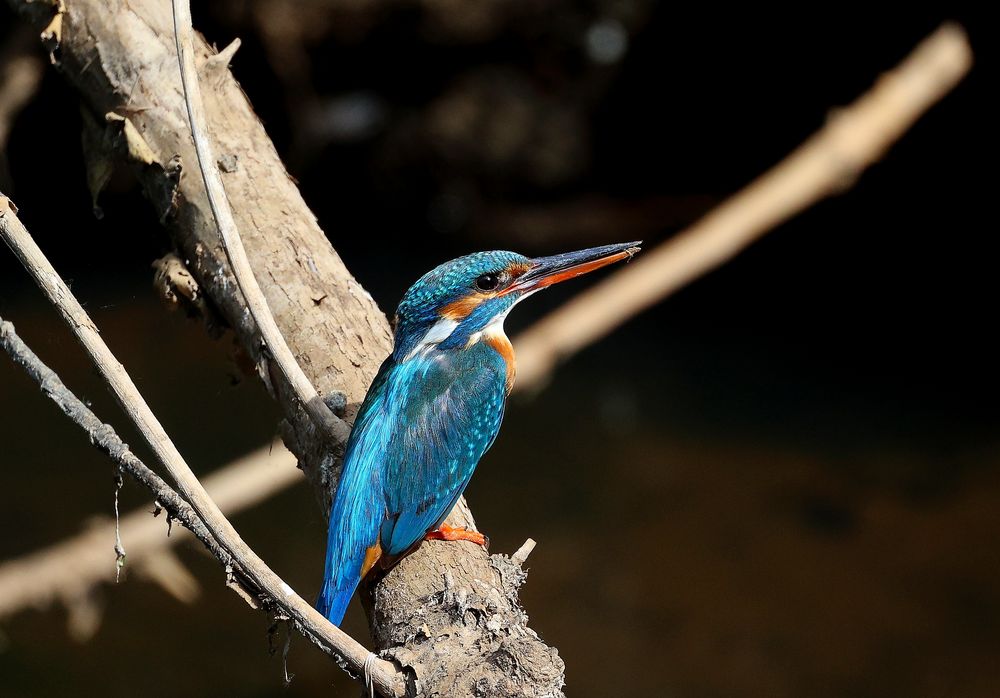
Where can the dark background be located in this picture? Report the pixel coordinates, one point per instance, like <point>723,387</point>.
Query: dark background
<point>780,482</point>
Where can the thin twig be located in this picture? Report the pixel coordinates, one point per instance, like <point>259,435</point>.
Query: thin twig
<point>119,547</point>
<point>70,569</point>
<point>828,163</point>
<point>233,244</point>
<point>310,622</point>
<point>102,435</point>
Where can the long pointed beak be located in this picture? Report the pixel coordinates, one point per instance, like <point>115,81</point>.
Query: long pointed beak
<point>546,271</point>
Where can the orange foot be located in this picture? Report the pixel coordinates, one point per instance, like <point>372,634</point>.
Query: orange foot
<point>446,532</point>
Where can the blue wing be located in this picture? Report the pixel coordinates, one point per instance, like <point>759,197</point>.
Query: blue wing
<point>417,439</point>
<point>450,412</point>
<point>358,505</point>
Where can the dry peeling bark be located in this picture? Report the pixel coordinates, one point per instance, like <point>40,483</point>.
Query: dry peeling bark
<point>449,612</point>
<point>458,622</point>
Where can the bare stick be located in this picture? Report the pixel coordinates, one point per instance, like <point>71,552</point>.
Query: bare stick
<point>310,622</point>
<point>69,570</point>
<point>828,163</point>
<point>521,556</point>
<point>102,435</point>
<point>233,245</point>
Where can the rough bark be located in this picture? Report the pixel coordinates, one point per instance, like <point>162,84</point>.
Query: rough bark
<point>449,611</point>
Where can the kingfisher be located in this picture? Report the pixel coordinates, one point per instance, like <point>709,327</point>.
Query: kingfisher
<point>433,410</point>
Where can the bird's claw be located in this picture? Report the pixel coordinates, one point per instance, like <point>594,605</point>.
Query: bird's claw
<point>446,532</point>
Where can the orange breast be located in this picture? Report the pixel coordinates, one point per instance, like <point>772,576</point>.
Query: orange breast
<point>503,347</point>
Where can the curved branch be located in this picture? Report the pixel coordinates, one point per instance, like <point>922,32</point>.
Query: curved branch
<point>233,245</point>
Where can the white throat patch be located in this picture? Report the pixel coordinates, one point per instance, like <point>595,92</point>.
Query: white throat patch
<point>438,332</point>
<point>443,328</point>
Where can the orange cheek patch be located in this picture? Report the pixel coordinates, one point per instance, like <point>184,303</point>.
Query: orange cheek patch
<point>462,308</point>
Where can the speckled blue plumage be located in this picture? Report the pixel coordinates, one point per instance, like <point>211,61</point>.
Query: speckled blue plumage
<point>416,442</point>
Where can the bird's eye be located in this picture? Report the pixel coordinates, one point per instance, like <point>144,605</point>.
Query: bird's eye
<point>487,282</point>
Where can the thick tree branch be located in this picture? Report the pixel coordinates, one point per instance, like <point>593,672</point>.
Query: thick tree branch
<point>388,680</point>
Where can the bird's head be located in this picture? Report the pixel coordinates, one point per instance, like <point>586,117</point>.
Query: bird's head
<point>458,302</point>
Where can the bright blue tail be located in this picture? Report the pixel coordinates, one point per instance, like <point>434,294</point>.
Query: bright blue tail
<point>333,602</point>
<point>358,504</point>
<point>354,528</point>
